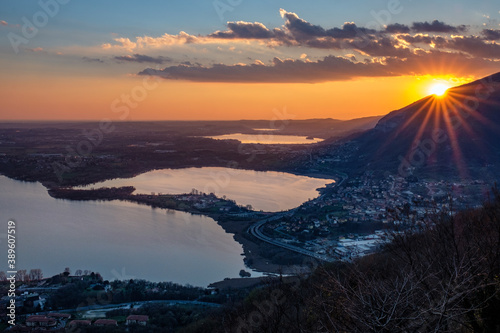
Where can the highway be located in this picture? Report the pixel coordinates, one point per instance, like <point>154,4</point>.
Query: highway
<point>255,230</point>
<point>112,306</point>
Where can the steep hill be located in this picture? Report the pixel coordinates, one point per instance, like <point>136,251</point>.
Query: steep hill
<point>456,135</point>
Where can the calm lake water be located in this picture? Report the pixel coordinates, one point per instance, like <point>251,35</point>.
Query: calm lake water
<point>268,191</point>
<point>266,138</point>
<point>117,239</point>
<point>123,240</point>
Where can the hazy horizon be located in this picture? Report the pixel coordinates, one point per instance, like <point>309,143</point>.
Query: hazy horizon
<point>168,120</point>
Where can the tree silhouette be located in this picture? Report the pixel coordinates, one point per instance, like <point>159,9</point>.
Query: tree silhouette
<point>35,274</point>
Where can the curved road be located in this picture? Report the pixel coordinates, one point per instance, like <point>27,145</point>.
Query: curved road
<point>110,306</point>
<point>255,230</point>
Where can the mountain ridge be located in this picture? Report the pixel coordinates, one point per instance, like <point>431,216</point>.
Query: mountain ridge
<point>453,136</point>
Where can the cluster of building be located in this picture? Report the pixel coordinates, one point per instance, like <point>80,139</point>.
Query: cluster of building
<point>201,201</point>
<point>51,322</point>
<point>25,300</point>
<point>60,322</point>
<point>351,248</point>
<point>373,203</point>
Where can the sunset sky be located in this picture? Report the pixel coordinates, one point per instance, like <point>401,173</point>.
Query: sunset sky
<point>236,59</point>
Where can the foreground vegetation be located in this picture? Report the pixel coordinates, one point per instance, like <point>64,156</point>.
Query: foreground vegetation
<point>442,276</point>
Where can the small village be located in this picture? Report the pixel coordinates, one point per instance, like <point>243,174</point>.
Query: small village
<point>63,322</point>
<point>84,301</point>
<point>355,219</point>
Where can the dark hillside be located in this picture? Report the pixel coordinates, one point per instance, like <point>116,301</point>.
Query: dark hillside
<point>456,135</point>
<point>442,276</point>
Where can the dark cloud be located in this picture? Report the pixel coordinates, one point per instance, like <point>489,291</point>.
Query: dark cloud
<point>349,30</point>
<point>473,45</point>
<point>418,39</point>
<point>282,37</point>
<point>141,58</point>
<point>435,62</point>
<point>189,63</point>
<point>382,47</point>
<point>397,28</point>
<point>303,30</point>
<point>490,34</point>
<point>330,68</point>
<point>300,28</point>
<point>436,26</point>
<point>299,32</point>
<point>326,43</point>
<point>245,30</point>
<point>390,52</point>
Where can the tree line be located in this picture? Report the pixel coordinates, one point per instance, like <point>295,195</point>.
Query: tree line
<point>441,275</point>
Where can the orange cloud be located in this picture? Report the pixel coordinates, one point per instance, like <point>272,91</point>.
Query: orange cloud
<point>123,43</point>
<point>168,40</point>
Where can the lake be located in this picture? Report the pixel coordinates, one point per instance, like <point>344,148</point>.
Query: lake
<point>124,240</point>
<point>120,240</point>
<point>269,139</point>
<point>268,191</point>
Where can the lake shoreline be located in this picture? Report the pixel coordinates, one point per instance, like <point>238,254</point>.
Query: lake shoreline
<point>253,248</point>
<point>334,177</point>
<point>256,252</point>
<point>266,191</point>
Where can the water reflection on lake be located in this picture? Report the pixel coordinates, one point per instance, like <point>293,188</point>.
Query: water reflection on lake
<point>120,240</point>
<point>267,191</point>
<point>267,138</point>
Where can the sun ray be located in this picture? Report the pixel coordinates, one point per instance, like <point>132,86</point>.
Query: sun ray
<point>459,99</point>
<point>455,146</point>
<point>423,126</point>
<point>408,122</point>
<point>420,110</point>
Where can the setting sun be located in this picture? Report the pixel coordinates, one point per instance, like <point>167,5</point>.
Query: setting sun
<point>438,89</point>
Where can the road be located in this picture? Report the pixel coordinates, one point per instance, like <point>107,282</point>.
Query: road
<point>110,306</point>
<point>255,230</point>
